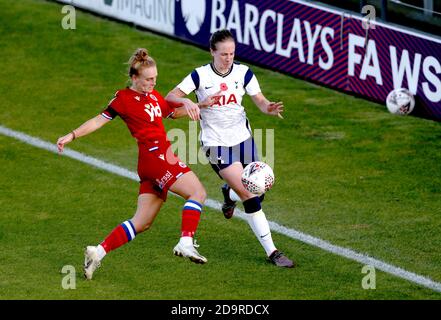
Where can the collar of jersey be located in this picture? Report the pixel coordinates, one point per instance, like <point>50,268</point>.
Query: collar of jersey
<point>223,75</point>
<point>134,92</point>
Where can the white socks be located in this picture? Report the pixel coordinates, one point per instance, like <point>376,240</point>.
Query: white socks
<point>261,229</point>
<point>259,225</point>
<point>234,196</point>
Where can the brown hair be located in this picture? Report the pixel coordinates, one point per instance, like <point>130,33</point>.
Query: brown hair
<point>220,36</point>
<point>140,59</point>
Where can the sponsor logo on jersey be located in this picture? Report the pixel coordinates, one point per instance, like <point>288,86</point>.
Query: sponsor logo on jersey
<point>225,99</point>
<point>153,110</point>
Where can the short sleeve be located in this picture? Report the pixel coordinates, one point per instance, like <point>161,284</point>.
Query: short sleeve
<point>190,83</point>
<point>251,84</point>
<point>114,107</point>
<point>167,110</point>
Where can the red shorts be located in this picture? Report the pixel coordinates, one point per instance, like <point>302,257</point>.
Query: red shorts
<point>158,168</point>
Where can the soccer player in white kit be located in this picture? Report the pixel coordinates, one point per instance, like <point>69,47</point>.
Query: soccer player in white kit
<point>225,131</point>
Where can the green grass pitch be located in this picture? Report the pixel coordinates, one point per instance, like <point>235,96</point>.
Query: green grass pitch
<point>346,171</point>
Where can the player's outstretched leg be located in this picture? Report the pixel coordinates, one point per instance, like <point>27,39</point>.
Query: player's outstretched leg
<point>147,209</point>
<point>93,255</point>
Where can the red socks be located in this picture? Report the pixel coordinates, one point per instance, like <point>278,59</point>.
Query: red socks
<point>126,232</point>
<point>191,214</point>
<point>122,234</point>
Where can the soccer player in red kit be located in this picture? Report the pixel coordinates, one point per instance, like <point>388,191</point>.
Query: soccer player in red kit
<point>142,109</point>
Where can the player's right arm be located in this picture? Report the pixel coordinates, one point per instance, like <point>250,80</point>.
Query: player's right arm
<point>176,97</point>
<point>87,127</point>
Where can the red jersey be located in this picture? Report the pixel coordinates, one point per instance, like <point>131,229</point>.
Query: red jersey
<point>142,113</point>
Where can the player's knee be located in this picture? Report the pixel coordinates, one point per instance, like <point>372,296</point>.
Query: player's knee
<point>197,193</point>
<point>200,194</point>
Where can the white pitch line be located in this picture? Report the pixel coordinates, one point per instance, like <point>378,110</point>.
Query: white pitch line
<point>291,233</point>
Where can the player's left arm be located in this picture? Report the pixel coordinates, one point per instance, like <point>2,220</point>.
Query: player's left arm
<point>266,106</point>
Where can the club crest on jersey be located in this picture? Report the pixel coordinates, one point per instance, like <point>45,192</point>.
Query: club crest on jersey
<point>153,97</point>
<point>153,110</point>
<point>138,98</point>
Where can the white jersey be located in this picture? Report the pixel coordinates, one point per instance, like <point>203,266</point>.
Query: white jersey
<point>223,124</point>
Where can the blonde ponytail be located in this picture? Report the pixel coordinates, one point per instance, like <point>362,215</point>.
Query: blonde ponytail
<point>140,59</point>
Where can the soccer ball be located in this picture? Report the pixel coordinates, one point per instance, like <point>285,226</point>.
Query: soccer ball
<point>400,101</point>
<point>258,177</point>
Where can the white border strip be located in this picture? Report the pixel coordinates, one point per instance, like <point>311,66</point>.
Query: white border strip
<point>291,233</point>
